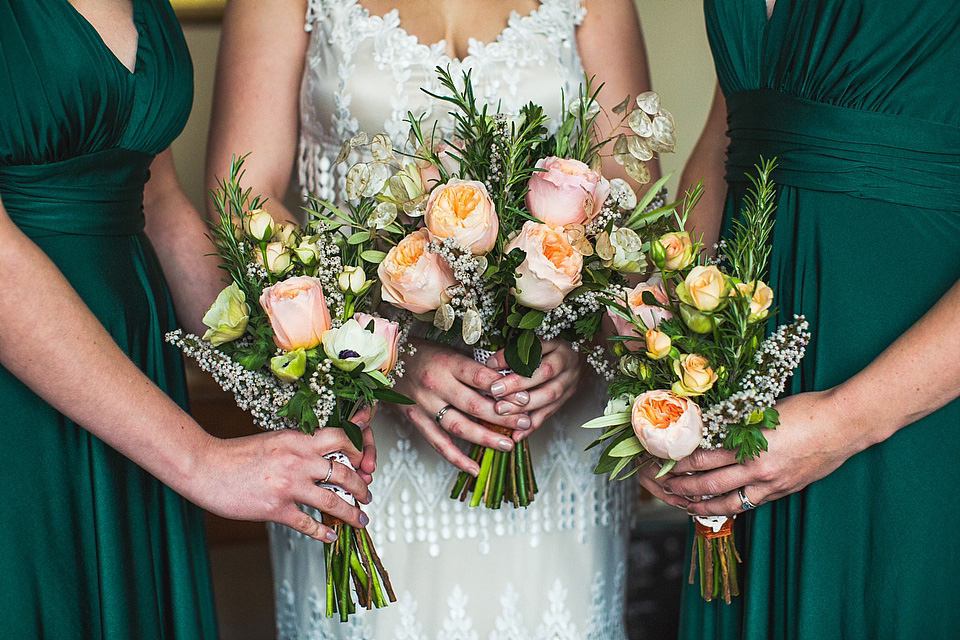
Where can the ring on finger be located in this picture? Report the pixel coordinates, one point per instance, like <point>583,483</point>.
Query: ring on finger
<point>745,503</point>
<point>442,412</point>
<point>329,473</point>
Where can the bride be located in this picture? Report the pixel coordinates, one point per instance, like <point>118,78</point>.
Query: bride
<point>296,79</point>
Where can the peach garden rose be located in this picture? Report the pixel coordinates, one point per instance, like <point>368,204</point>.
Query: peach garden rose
<point>651,316</point>
<point>565,192</point>
<point>297,311</point>
<point>413,278</point>
<point>668,426</point>
<point>462,209</point>
<point>551,269</point>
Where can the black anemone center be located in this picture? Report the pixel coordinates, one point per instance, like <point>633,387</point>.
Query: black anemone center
<point>348,353</point>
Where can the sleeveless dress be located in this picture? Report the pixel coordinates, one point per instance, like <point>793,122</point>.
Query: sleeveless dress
<point>857,100</point>
<point>91,545</point>
<point>554,570</point>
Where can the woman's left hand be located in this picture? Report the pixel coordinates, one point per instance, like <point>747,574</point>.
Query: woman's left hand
<point>812,440</point>
<point>542,394</point>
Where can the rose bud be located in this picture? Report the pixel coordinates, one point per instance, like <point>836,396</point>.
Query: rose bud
<point>703,288</point>
<point>673,251</point>
<point>696,376</point>
<point>761,297</point>
<point>658,344</point>
<point>259,225</point>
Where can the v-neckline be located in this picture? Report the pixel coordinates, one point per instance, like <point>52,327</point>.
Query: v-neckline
<point>471,42</point>
<point>135,6</point>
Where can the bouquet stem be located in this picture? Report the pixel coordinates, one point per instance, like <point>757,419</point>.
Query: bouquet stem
<point>716,554</point>
<point>352,558</point>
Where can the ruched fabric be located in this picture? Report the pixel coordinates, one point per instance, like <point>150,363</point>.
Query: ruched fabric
<point>856,101</point>
<point>91,546</point>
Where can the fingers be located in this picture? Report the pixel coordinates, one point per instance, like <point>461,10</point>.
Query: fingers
<point>709,483</point>
<point>368,462</point>
<point>728,504</point>
<point>650,468</point>
<point>300,521</point>
<point>704,460</point>
<point>439,440</point>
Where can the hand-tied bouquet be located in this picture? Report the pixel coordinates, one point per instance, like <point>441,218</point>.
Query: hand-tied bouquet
<point>694,369</point>
<point>287,339</point>
<point>502,235</point>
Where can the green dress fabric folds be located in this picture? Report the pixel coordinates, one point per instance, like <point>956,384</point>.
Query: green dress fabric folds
<point>92,546</point>
<point>859,103</point>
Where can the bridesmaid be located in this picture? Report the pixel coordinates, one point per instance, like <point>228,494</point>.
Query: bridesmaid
<point>855,533</point>
<point>92,543</point>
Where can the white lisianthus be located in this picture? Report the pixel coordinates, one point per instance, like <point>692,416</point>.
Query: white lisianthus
<point>227,317</point>
<point>351,346</point>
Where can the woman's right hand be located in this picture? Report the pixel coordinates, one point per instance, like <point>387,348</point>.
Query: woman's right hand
<point>437,376</point>
<point>264,477</point>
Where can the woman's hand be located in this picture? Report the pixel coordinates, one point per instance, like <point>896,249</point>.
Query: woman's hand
<point>437,376</point>
<point>368,463</point>
<point>266,476</point>
<point>542,394</point>
<point>813,439</point>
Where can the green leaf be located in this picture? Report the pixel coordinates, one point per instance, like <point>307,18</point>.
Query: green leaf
<point>531,320</point>
<point>607,421</point>
<point>353,432</point>
<point>665,469</point>
<point>359,237</point>
<point>373,256</point>
<point>389,395</point>
<point>628,448</point>
<point>525,344</point>
<point>514,319</point>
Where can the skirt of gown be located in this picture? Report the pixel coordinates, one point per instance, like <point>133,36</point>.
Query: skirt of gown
<point>553,570</point>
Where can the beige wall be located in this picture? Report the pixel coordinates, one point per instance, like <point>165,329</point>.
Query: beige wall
<point>676,44</point>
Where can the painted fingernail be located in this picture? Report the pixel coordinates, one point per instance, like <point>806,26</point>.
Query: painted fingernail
<point>522,397</point>
<point>330,536</point>
<point>523,422</point>
<point>667,491</point>
<point>505,445</point>
<point>364,520</point>
<point>491,362</point>
<point>369,496</point>
<point>474,471</point>
<point>502,408</point>
<point>497,388</point>
<point>362,424</point>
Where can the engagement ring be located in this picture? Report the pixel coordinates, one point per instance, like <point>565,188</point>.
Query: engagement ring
<point>744,502</point>
<point>440,413</point>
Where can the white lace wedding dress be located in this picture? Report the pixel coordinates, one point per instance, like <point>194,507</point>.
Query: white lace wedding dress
<point>555,570</point>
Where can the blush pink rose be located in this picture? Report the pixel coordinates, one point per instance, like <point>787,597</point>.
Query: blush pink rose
<point>386,329</point>
<point>413,278</point>
<point>651,316</point>
<point>565,192</point>
<point>297,311</point>
<point>668,426</point>
<point>551,269</point>
<point>462,209</point>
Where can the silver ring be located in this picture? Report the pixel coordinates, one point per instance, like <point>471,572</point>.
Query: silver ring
<point>329,473</point>
<point>745,504</point>
<point>441,413</point>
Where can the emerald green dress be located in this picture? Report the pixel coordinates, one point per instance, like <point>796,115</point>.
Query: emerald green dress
<point>859,101</point>
<point>92,546</point>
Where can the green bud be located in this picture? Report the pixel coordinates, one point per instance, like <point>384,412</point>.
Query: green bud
<point>259,225</point>
<point>352,280</point>
<point>698,321</point>
<point>289,366</point>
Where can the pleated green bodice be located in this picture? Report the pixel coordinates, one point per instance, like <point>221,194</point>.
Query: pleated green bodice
<point>859,103</point>
<point>91,546</point>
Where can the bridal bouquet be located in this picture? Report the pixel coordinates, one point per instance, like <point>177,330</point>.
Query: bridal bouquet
<point>287,337</point>
<point>694,367</point>
<point>501,235</point>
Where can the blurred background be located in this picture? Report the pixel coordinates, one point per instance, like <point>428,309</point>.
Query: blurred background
<point>683,75</point>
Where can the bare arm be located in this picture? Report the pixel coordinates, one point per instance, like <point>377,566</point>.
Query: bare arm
<point>613,53</point>
<point>707,163</point>
<point>256,96</point>
<point>45,327</point>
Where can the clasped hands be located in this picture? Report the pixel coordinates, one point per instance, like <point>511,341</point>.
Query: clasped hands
<point>438,376</point>
<point>813,439</point>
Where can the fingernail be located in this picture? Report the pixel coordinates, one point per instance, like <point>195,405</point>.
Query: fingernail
<point>505,445</point>
<point>667,491</point>
<point>362,424</point>
<point>369,496</point>
<point>364,520</point>
<point>497,388</point>
<point>330,536</point>
<point>523,422</point>
<point>522,397</point>
<point>491,362</point>
<point>474,471</point>
<point>501,408</point>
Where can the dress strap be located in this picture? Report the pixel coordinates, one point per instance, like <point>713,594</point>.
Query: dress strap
<point>824,147</point>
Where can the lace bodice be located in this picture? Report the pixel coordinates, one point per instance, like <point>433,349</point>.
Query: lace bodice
<point>365,73</point>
